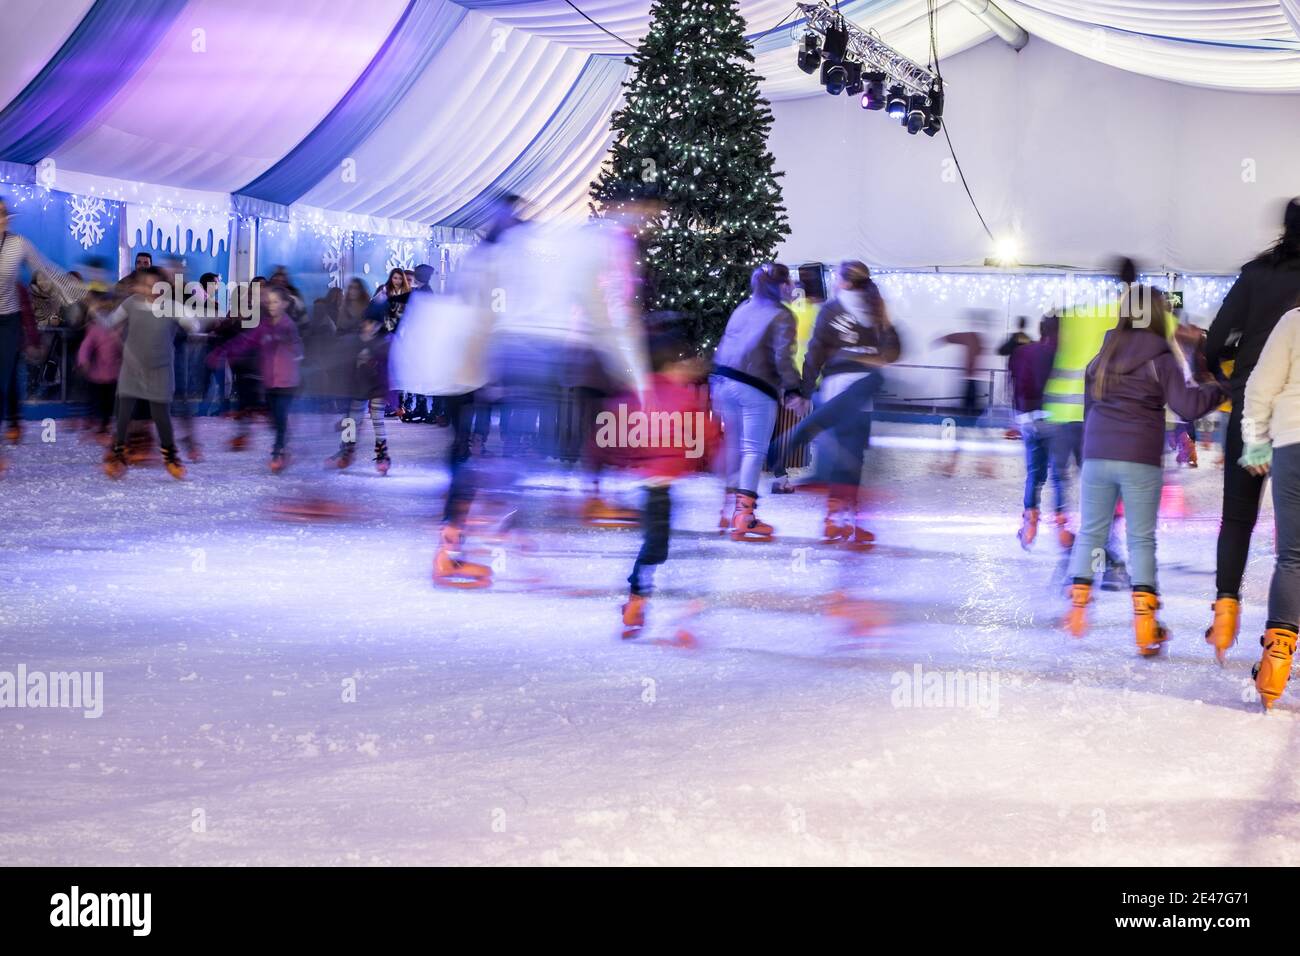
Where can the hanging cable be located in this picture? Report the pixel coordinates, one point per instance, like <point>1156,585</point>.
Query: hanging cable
<point>934,65</point>
<point>599,26</point>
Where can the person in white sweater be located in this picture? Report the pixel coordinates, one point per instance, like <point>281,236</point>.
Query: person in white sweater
<point>1270,430</point>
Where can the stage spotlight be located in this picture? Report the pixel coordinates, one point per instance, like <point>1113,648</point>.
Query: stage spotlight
<point>916,115</point>
<point>853,86</point>
<point>934,115</point>
<point>896,104</point>
<point>835,76</point>
<point>874,97</point>
<point>837,42</point>
<point>809,55</point>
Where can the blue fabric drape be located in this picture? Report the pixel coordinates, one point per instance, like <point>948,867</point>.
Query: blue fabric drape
<point>586,105</point>
<point>419,35</point>
<point>98,59</point>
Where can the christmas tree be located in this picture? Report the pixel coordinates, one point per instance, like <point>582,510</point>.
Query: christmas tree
<point>693,131</point>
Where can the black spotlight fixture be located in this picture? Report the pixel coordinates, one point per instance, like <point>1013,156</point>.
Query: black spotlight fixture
<point>934,120</point>
<point>917,115</point>
<point>874,97</point>
<point>835,76</point>
<point>896,102</point>
<point>837,42</point>
<point>810,56</point>
<point>854,84</point>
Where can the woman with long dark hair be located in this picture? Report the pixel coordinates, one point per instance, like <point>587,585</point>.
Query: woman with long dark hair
<point>1269,285</point>
<point>1136,373</point>
<point>753,370</point>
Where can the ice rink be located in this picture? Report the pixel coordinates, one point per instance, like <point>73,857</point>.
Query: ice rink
<point>283,691</point>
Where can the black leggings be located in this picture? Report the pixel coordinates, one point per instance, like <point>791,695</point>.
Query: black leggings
<point>278,401</point>
<point>655,525</point>
<point>158,411</point>
<point>1241,495</point>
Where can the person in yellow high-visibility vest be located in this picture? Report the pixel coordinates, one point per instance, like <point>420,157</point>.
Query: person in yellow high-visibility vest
<point>1082,330</point>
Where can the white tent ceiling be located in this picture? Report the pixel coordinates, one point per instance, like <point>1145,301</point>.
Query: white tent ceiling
<point>503,94</point>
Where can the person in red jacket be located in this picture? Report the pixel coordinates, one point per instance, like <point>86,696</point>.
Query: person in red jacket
<point>666,437</point>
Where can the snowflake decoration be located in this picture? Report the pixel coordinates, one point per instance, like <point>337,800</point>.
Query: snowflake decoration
<point>401,254</point>
<point>331,261</point>
<point>87,225</point>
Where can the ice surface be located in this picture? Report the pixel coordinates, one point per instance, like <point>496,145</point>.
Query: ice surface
<point>514,726</point>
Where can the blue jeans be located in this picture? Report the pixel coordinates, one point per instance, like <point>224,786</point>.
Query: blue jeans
<point>1284,592</point>
<point>1102,482</point>
<point>748,417</point>
<point>1036,465</point>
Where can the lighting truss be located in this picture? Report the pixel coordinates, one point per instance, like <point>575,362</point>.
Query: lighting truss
<point>875,54</point>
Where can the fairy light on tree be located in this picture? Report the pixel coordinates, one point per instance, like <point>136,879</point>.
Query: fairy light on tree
<point>694,129</point>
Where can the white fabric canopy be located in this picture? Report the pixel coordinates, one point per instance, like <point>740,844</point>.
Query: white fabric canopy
<point>1075,160</point>
<point>519,96</point>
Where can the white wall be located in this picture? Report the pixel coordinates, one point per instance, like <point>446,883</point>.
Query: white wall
<point>1081,160</point>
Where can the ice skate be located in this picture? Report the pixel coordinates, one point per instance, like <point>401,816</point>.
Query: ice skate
<point>115,461</point>
<point>634,615</point>
<point>835,526</point>
<point>343,457</point>
<point>1076,619</point>
<point>745,525</point>
<point>451,570</point>
<point>1150,633</point>
<point>238,443</point>
<point>172,462</point>
<point>279,462</point>
<point>14,433</point>
<point>1028,532</point>
<point>601,514</point>
<point>1063,533</point>
<point>1274,667</point>
<point>193,450</point>
<point>1222,633</point>
<point>382,461</point>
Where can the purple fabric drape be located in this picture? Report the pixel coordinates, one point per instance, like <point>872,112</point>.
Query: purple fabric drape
<point>101,56</point>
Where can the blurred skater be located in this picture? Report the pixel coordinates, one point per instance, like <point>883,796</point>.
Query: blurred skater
<point>1029,367</point>
<point>151,316</point>
<point>753,371</point>
<point>1269,285</point>
<point>1128,384</point>
<point>1271,432</point>
<point>852,340</point>
<point>673,394</point>
<point>276,346</point>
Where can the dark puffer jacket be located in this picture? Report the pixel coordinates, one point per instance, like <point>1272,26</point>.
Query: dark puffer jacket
<point>1262,294</point>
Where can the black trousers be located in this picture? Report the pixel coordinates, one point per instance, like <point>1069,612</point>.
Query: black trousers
<point>160,412</point>
<point>1241,495</point>
<point>655,524</point>
<point>463,411</point>
<point>11,340</point>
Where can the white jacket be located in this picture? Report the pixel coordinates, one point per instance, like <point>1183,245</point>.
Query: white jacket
<point>569,284</point>
<point>1272,408</point>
